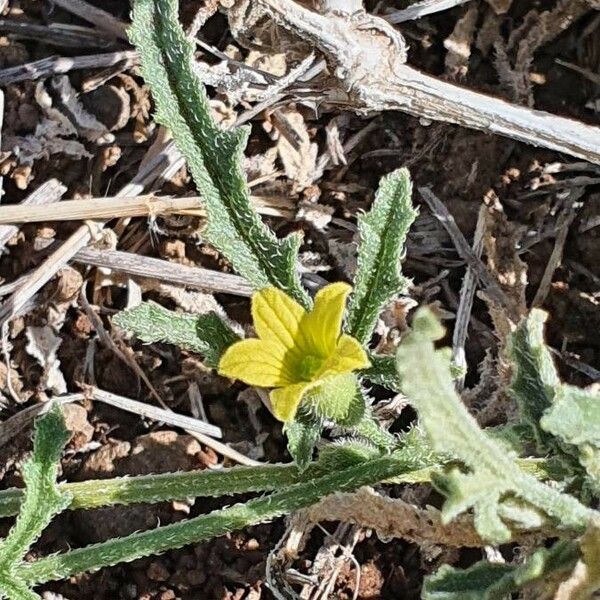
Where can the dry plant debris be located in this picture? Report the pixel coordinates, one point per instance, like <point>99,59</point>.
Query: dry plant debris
<point>492,104</point>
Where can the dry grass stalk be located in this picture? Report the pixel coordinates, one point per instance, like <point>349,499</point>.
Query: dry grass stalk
<point>98,17</point>
<point>165,163</point>
<point>146,267</point>
<point>135,206</point>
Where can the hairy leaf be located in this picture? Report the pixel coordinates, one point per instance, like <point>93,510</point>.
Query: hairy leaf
<point>574,418</point>
<point>383,372</point>
<point>492,475</point>
<point>535,379</point>
<point>302,433</point>
<point>219,522</point>
<point>214,156</point>
<point>16,589</point>
<point>206,334</point>
<point>494,581</point>
<point>383,233</point>
<point>564,419</point>
<point>42,501</point>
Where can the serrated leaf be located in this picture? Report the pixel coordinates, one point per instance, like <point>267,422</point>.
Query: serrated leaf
<point>574,418</point>
<point>493,581</point>
<point>214,156</point>
<point>42,501</point>
<point>535,379</point>
<point>564,419</point>
<point>453,432</point>
<point>370,429</point>
<point>303,433</point>
<point>383,233</point>
<point>16,589</point>
<point>383,372</point>
<point>205,334</point>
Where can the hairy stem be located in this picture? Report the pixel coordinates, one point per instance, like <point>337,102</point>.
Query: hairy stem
<point>168,486</point>
<point>211,525</point>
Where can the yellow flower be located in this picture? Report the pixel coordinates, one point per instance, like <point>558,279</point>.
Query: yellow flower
<point>296,350</point>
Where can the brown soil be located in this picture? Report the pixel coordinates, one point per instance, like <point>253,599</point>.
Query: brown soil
<point>461,166</point>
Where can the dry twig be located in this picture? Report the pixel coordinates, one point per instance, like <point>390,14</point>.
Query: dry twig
<point>369,57</point>
<point>53,65</point>
<point>47,193</point>
<point>98,17</point>
<point>162,270</point>
<point>439,210</point>
<point>421,9</point>
<point>163,163</point>
<point>465,304</point>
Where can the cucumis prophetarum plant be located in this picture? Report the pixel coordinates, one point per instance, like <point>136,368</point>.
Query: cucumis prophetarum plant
<point>539,474</point>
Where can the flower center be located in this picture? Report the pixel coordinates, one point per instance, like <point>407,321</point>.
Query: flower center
<point>309,366</point>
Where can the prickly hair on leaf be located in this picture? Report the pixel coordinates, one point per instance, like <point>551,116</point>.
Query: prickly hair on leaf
<point>42,501</point>
<point>383,232</point>
<point>214,156</point>
<point>491,476</point>
<point>207,334</point>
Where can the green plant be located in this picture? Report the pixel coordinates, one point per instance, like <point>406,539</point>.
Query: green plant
<point>336,398</point>
<point>319,365</point>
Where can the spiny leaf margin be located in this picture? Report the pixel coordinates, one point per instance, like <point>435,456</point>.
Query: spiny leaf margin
<point>214,156</point>
<point>206,334</point>
<point>42,501</point>
<point>383,232</point>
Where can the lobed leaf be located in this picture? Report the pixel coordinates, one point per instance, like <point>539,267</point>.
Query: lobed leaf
<point>205,334</point>
<point>383,233</point>
<point>496,581</point>
<point>564,419</point>
<point>42,501</point>
<point>535,379</point>
<point>492,475</point>
<point>214,156</point>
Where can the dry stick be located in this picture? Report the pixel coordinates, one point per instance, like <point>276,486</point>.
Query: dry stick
<point>125,404</point>
<point>165,163</point>
<point>65,36</point>
<point>155,413</point>
<point>420,9</point>
<point>53,65</point>
<point>162,270</point>
<point>465,304</point>
<point>23,419</point>
<point>98,209</point>
<point>136,206</point>
<point>1,127</point>
<point>19,421</point>
<point>394,518</point>
<point>465,251</point>
<point>49,192</point>
<point>557,252</point>
<point>369,56</point>
<point>108,341</point>
<point>98,17</point>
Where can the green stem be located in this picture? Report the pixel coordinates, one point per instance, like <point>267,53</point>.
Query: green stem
<point>211,525</point>
<point>164,487</point>
<point>169,486</point>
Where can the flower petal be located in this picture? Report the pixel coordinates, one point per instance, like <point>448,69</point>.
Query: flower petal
<point>348,356</point>
<point>277,317</point>
<point>254,362</point>
<point>285,400</point>
<point>321,327</point>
